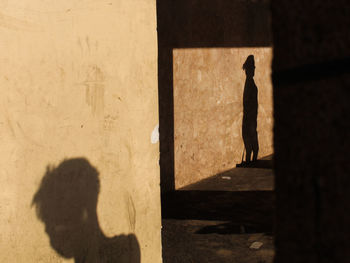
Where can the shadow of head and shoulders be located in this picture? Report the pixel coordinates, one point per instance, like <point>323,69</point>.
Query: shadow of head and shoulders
<point>66,203</point>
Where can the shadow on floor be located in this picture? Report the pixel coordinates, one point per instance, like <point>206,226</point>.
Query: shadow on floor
<point>251,210</point>
<point>234,228</point>
<point>263,163</point>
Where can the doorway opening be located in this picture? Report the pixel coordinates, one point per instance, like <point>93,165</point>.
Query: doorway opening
<point>217,203</point>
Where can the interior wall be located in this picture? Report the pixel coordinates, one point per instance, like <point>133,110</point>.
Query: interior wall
<point>208,109</point>
<point>78,79</point>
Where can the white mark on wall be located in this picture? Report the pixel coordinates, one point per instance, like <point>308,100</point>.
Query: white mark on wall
<point>155,135</point>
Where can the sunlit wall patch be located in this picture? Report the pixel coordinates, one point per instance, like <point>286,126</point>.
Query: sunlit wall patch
<point>208,93</point>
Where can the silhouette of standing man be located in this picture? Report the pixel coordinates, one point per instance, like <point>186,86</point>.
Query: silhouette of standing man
<point>250,111</point>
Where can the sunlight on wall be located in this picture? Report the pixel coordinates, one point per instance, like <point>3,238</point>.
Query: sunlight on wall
<point>208,109</point>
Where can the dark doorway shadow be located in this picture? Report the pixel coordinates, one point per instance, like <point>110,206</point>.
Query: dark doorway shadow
<point>66,203</point>
<point>200,24</point>
<point>250,112</point>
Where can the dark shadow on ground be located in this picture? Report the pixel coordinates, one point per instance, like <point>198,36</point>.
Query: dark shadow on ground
<point>234,228</point>
<point>182,242</point>
<point>66,203</point>
<point>252,209</point>
<point>263,163</point>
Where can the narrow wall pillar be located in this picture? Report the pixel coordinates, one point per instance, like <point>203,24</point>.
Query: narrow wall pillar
<point>311,69</point>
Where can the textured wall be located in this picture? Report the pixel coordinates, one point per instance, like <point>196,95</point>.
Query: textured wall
<point>79,79</point>
<point>208,109</point>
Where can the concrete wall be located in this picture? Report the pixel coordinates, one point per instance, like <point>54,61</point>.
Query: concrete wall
<point>79,79</point>
<point>208,109</point>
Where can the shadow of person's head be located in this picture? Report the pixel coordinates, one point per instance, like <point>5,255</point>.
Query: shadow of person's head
<point>249,66</point>
<point>66,203</point>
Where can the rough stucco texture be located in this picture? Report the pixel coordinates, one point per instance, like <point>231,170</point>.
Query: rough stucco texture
<point>208,109</point>
<point>79,79</point>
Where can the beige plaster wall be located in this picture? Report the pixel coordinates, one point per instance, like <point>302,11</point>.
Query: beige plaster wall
<point>78,78</point>
<point>208,109</point>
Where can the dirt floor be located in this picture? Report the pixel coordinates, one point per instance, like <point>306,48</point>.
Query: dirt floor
<point>185,242</point>
<point>220,218</point>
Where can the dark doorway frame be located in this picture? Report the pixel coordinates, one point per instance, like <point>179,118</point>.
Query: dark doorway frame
<point>200,24</point>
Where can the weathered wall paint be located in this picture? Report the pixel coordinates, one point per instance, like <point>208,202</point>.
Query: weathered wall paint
<point>79,79</point>
<point>208,109</point>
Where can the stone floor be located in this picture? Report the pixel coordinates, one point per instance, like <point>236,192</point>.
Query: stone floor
<point>219,218</point>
